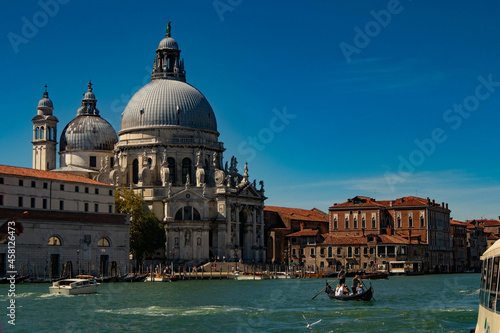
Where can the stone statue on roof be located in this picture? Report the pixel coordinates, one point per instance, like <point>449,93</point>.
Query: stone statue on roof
<point>169,28</point>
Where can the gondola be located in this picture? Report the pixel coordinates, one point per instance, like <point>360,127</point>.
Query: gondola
<point>364,296</point>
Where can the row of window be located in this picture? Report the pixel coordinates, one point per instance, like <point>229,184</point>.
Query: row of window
<point>33,204</point>
<point>383,251</point>
<point>374,223</point>
<point>61,186</point>
<point>56,241</point>
<point>488,296</point>
<point>186,169</point>
<point>50,134</point>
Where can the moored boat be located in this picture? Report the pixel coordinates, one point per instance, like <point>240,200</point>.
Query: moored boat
<point>74,287</point>
<point>374,276</point>
<point>364,296</point>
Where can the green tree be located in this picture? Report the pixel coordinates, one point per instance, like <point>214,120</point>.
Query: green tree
<point>146,231</point>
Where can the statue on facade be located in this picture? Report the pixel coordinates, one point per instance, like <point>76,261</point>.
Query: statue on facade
<point>187,237</point>
<point>214,160</point>
<point>261,186</point>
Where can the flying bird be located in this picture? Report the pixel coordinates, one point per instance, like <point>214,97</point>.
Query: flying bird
<point>309,326</point>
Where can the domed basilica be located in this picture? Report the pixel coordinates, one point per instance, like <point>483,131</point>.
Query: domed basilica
<point>167,150</point>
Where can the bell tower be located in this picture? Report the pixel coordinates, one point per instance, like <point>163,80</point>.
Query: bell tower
<point>44,135</point>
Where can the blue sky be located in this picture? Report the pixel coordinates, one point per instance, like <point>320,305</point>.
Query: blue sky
<point>324,99</point>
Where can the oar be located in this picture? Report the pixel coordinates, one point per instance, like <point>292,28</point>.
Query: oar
<point>367,289</point>
<point>324,288</point>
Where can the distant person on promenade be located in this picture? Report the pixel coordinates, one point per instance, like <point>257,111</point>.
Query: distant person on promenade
<point>341,276</point>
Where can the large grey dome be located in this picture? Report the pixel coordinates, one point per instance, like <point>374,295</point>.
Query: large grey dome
<point>88,132</point>
<point>163,103</point>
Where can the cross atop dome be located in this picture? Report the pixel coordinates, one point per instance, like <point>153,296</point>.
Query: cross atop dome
<point>89,86</point>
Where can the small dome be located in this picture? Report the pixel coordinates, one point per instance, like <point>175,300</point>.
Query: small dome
<point>45,103</point>
<point>168,43</point>
<point>88,132</point>
<point>89,95</point>
<point>163,103</point>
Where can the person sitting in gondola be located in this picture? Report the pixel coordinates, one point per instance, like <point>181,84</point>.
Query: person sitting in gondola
<point>345,291</point>
<point>359,289</point>
<point>337,290</point>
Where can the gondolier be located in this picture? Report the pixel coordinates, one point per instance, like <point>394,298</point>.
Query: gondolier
<point>355,282</point>
<point>341,276</point>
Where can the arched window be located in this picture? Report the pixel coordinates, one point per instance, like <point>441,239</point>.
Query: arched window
<point>349,252</point>
<point>171,169</point>
<point>41,133</point>
<point>186,169</point>
<point>54,241</point>
<point>330,252</point>
<point>188,213</point>
<point>135,171</point>
<point>103,242</point>
<point>37,133</point>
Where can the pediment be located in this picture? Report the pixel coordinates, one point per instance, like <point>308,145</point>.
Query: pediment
<point>250,192</point>
<point>188,194</point>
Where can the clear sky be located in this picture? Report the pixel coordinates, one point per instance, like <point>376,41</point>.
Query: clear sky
<point>324,99</point>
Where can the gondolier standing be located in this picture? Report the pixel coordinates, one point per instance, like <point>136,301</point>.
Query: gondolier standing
<point>355,282</point>
<point>341,276</point>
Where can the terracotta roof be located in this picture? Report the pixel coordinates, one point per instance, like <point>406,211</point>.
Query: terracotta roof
<point>393,239</point>
<point>299,214</point>
<point>344,240</point>
<point>49,175</point>
<point>459,223</point>
<point>359,202</point>
<point>305,232</point>
<point>485,222</point>
<point>492,236</point>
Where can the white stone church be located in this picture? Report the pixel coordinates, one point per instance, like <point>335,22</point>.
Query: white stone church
<point>167,150</point>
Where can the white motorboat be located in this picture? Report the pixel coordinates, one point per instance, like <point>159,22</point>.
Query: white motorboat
<point>74,287</point>
<point>242,277</point>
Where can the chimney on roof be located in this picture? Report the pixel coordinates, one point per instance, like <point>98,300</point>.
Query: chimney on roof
<point>301,226</point>
<point>390,204</point>
<point>446,205</point>
<point>433,202</point>
<point>442,204</point>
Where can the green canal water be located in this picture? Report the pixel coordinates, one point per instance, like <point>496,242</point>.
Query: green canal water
<point>432,303</point>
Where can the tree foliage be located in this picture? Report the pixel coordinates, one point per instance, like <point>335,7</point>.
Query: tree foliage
<point>146,231</point>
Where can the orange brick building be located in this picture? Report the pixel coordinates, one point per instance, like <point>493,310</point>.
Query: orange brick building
<point>282,221</point>
<point>420,221</point>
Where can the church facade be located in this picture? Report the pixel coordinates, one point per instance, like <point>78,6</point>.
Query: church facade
<point>168,151</point>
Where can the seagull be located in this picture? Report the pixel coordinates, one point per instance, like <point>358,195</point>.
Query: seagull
<point>309,325</point>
